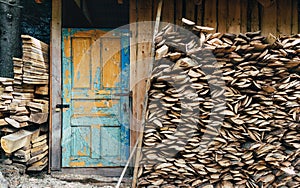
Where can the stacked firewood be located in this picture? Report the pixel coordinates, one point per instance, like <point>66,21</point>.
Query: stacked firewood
<point>223,110</point>
<point>18,70</point>
<point>36,61</point>
<point>24,111</point>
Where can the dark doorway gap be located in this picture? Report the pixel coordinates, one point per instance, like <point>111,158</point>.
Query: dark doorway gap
<point>102,14</point>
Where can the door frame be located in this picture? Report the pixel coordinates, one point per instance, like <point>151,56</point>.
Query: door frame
<point>55,92</point>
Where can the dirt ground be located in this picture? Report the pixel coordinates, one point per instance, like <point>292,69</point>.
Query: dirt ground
<point>17,178</point>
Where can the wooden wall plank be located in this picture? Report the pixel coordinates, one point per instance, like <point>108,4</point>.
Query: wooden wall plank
<point>295,17</point>
<point>144,42</point>
<point>200,11</point>
<point>190,10</point>
<point>244,16</point>
<point>222,16</point>
<point>254,16</point>
<point>133,68</point>
<point>55,86</point>
<point>210,13</point>
<point>234,16</point>
<point>178,12</point>
<point>167,14</point>
<point>269,19</point>
<point>284,15</point>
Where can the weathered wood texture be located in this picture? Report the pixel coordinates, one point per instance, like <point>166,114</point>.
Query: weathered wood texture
<point>279,17</point>
<point>24,114</point>
<point>55,89</point>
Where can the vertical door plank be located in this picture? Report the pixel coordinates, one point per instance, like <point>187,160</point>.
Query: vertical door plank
<point>55,86</point>
<point>111,66</point>
<point>244,18</point>
<point>222,16</point>
<point>234,16</point>
<point>284,15</point>
<point>133,66</point>
<point>269,19</point>
<point>200,11</point>
<point>67,88</point>
<point>295,17</point>
<point>125,100</point>
<point>254,15</point>
<point>210,13</point>
<point>81,62</point>
<point>178,12</point>
<point>190,10</point>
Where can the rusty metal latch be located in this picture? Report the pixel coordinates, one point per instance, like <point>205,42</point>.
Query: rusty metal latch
<point>61,106</point>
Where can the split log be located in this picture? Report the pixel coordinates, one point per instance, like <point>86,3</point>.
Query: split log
<point>21,156</point>
<point>38,166</point>
<point>39,118</point>
<point>37,158</point>
<point>37,144</point>
<point>40,138</point>
<point>42,90</point>
<point>15,123</point>
<point>39,106</point>
<point>15,141</point>
<point>36,150</point>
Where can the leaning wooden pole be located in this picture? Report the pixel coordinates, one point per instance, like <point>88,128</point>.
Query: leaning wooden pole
<point>10,35</point>
<point>139,140</point>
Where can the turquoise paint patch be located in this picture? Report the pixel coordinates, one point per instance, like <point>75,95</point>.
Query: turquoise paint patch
<point>87,139</point>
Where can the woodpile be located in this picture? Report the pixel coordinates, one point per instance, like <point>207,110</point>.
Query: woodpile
<point>36,61</point>
<point>24,107</point>
<point>223,110</point>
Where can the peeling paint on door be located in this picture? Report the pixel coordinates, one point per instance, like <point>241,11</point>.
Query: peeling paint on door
<point>96,85</point>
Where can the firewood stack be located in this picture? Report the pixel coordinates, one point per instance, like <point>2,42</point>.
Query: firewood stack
<point>18,70</point>
<point>223,110</point>
<point>24,107</point>
<point>36,61</point>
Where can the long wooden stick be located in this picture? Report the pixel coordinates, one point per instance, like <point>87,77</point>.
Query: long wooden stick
<point>127,164</point>
<point>140,138</point>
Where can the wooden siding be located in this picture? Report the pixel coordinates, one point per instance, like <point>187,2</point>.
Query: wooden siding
<point>279,17</point>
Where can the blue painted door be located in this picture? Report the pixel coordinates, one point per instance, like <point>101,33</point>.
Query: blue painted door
<point>95,130</point>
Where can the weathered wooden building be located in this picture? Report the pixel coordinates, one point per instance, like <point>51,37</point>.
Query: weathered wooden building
<point>98,77</point>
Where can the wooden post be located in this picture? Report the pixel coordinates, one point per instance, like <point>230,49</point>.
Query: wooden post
<point>55,87</point>
<point>10,35</point>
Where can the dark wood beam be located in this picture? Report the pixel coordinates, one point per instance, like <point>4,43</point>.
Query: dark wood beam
<point>82,4</point>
